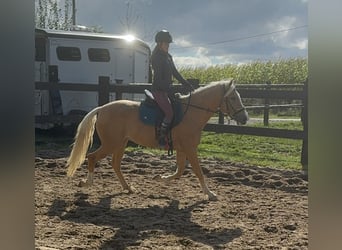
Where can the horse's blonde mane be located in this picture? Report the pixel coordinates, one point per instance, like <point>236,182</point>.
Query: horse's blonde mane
<point>204,88</point>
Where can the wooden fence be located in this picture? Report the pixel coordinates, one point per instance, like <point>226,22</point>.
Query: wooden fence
<point>260,91</point>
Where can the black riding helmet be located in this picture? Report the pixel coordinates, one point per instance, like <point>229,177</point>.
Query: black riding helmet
<point>163,36</point>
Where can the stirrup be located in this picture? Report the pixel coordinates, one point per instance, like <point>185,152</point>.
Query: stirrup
<point>162,143</point>
<point>164,127</point>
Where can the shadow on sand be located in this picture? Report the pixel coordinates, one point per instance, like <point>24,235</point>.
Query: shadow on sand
<point>133,225</point>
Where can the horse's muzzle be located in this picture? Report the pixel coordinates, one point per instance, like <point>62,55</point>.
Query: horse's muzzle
<point>241,117</point>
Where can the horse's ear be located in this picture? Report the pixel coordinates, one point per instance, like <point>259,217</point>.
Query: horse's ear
<point>231,86</point>
<point>232,83</point>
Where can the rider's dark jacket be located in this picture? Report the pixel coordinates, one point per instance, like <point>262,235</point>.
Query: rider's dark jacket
<point>163,70</point>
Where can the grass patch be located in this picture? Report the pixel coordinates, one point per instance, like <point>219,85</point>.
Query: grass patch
<point>254,150</point>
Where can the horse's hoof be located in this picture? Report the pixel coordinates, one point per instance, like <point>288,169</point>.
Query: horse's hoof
<point>212,197</point>
<point>83,183</point>
<point>130,190</point>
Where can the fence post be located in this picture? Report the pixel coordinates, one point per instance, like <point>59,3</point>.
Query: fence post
<point>267,103</point>
<point>221,118</point>
<point>304,117</point>
<point>103,90</point>
<point>118,94</point>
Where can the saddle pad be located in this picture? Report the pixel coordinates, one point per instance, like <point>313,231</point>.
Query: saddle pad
<point>149,114</point>
<point>152,114</point>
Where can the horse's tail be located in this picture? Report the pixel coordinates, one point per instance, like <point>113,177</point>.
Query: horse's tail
<point>83,140</point>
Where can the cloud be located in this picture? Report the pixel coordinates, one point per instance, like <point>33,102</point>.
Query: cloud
<point>182,42</point>
<point>301,44</point>
<point>191,61</point>
<point>283,24</point>
<point>198,25</point>
<point>289,38</point>
<point>199,59</point>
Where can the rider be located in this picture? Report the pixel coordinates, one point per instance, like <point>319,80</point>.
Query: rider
<point>163,69</point>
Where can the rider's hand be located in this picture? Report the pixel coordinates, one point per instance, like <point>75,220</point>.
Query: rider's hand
<point>188,86</point>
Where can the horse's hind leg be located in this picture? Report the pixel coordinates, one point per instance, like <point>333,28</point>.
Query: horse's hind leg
<point>116,164</point>
<point>193,159</point>
<point>93,157</point>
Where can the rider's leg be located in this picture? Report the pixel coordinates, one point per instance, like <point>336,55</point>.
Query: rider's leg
<point>164,103</point>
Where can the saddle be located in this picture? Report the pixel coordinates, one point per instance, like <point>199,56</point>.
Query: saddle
<point>151,114</point>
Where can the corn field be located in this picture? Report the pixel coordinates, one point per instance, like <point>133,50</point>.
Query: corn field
<point>287,71</point>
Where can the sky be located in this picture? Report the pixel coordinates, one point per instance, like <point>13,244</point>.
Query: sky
<point>208,32</point>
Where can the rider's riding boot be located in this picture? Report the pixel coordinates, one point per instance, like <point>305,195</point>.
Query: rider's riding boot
<point>164,129</point>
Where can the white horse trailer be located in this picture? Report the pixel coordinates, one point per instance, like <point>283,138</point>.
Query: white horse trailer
<point>81,57</point>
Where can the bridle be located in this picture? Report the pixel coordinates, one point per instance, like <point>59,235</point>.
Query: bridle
<point>228,101</point>
<point>188,104</point>
<point>225,99</point>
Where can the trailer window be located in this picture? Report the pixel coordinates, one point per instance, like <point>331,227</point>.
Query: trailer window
<point>40,50</point>
<point>68,53</point>
<point>98,55</point>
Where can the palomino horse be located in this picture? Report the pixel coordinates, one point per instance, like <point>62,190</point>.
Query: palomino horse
<point>118,122</point>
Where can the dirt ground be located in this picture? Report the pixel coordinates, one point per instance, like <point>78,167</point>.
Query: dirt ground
<point>257,208</point>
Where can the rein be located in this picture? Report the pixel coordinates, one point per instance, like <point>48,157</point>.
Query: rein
<point>199,107</point>
<point>188,104</point>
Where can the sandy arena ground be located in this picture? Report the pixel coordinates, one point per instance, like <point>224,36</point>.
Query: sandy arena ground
<point>257,208</point>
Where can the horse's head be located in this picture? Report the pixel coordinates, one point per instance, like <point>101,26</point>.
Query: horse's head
<point>232,106</point>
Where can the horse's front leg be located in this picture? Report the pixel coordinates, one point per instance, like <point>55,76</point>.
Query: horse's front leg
<point>193,159</point>
<point>116,164</point>
<point>181,164</point>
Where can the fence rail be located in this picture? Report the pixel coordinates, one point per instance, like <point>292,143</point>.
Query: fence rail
<point>262,91</point>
